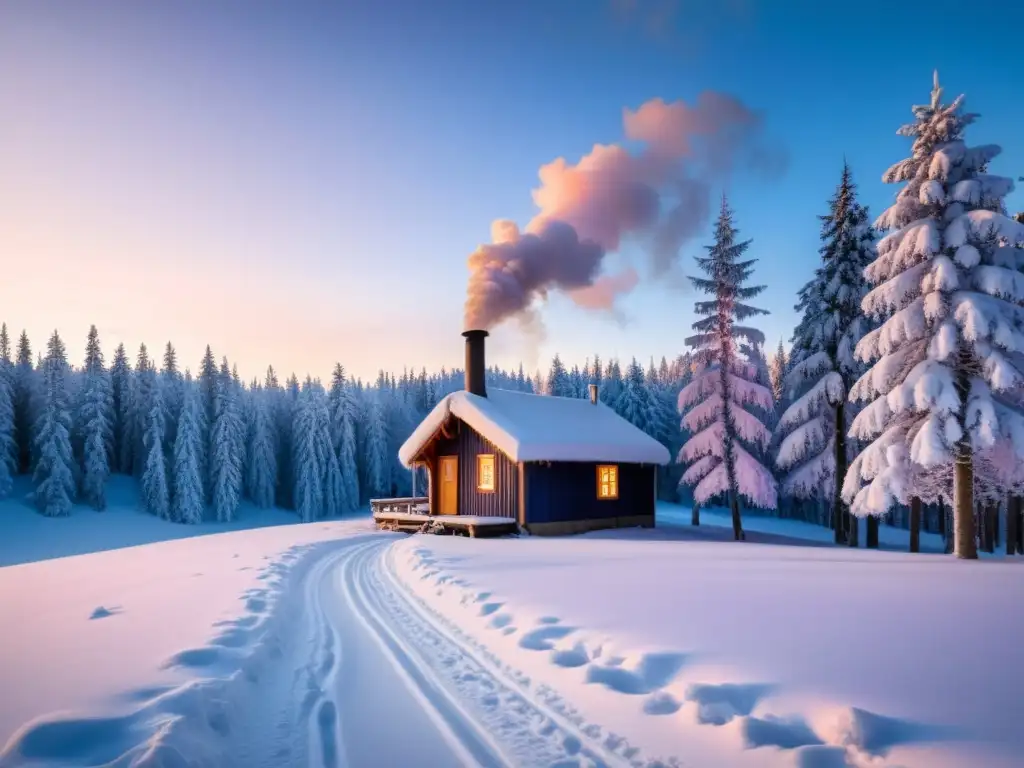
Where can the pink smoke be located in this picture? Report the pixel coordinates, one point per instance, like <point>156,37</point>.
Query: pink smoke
<point>659,196</point>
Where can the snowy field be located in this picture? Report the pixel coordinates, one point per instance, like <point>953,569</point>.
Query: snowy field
<point>787,531</point>
<point>309,644</point>
<point>26,536</point>
<point>718,653</point>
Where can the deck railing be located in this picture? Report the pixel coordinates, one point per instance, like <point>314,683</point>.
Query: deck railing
<point>409,505</point>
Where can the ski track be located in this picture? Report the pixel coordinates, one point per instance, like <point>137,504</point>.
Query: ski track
<point>266,690</point>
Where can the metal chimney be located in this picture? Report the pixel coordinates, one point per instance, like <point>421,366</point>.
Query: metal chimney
<point>593,394</point>
<point>475,362</point>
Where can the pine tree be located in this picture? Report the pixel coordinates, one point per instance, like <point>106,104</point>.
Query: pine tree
<point>662,421</point>
<point>54,474</point>
<point>5,345</point>
<point>8,446</point>
<point>207,381</point>
<point>189,496</point>
<point>634,403</point>
<point>717,402</point>
<point>155,493</point>
<point>335,491</point>
<point>287,403</point>
<point>814,450</point>
<point>144,384</point>
<point>777,370</point>
<point>308,462</point>
<point>376,448</point>
<point>343,433</point>
<point>96,424</point>
<point>24,418</point>
<point>226,463</point>
<point>612,388</point>
<point>171,386</point>
<point>948,280</point>
<point>121,394</point>
<point>262,456</point>
<point>559,383</point>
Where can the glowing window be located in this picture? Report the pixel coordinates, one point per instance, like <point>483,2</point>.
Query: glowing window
<point>485,472</point>
<point>607,481</point>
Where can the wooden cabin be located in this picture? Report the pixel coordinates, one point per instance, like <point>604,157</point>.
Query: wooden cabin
<point>551,465</point>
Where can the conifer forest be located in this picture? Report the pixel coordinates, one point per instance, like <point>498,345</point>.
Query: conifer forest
<point>899,397</point>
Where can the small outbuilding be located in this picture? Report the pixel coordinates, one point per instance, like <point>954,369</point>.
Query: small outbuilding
<point>551,465</point>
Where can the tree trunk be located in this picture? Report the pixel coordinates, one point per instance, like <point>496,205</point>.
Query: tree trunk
<point>844,520</point>
<point>695,516</point>
<point>942,518</point>
<point>737,525</point>
<point>915,524</point>
<point>1019,517</point>
<point>871,533</point>
<point>965,547</point>
<point>1011,525</point>
<point>990,511</point>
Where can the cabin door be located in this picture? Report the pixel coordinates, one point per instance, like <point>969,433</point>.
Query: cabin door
<point>449,472</point>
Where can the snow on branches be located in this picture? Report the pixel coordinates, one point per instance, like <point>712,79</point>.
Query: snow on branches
<point>719,402</point>
<point>823,366</point>
<point>947,288</point>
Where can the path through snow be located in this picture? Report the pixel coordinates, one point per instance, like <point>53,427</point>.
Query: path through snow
<point>332,664</point>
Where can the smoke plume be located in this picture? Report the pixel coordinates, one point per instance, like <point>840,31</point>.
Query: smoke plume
<point>659,196</point>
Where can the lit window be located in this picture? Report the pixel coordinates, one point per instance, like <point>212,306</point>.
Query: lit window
<point>485,472</point>
<point>607,481</point>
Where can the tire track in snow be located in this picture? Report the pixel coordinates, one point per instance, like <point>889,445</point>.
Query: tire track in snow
<point>532,727</point>
<point>463,734</point>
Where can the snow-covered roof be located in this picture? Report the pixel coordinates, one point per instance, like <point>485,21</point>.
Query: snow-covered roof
<point>529,427</point>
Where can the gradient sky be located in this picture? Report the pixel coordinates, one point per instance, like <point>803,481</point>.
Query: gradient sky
<point>299,183</point>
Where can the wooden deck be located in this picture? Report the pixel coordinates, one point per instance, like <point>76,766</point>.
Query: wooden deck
<point>412,515</point>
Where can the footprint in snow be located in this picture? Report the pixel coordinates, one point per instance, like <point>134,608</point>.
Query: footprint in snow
<point>719,704</point>
<point>652,671</point>
<point>101,612</point>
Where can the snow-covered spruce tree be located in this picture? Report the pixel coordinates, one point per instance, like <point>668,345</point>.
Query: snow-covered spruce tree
<point>95,420</point>
<point>144,384</point>
<point>559,383</point>
<point>335,497</point>
<point>308,461</point>
<point>634,403</point>
<point>207,383</point>
<point>24,416</point>
<point>189,499</point>
<point>225,461</point>
<point>376,445</point>
<point>121,394</point>
<point>343,430</point>
<point>262,455</point>
<point>171,383</point>
<point>54,474</point>
<point>716,401</point>
<point>286,406</point>
<point>777,368</point>
<point>951,286</point>
<point>8,448</point>
<point>813,446</point>
<point>155,492</point>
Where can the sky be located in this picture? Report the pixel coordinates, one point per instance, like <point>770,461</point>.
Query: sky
<point>301,183</point>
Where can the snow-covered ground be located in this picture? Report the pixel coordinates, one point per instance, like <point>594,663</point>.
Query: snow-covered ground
<point>718,653</point>
<point>27,537</point>
<point>329,644</point>
<point>675,515</point>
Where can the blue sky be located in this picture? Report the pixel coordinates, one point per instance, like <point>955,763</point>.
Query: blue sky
<point>299,183</point>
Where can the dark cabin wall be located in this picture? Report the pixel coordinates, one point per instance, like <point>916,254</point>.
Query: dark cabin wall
<point>467,445</point>
<point>567,491</point>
